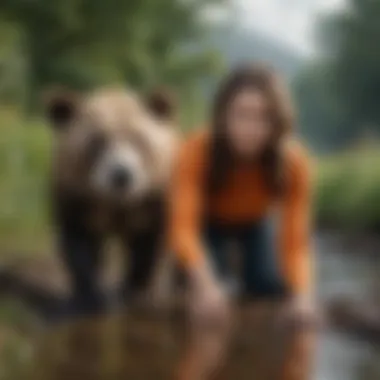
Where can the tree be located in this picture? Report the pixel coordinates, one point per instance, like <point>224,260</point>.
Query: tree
<point>350,45</point>
<point>84,43</point>
<point>339,92</point>
<point>322,118</point>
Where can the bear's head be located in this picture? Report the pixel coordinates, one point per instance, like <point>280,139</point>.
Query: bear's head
<point>111,143</point>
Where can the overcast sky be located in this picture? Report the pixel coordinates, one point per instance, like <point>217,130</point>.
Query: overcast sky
<point>289,21</point>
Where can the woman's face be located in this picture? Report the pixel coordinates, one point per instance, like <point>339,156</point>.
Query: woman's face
<point>248,126</point>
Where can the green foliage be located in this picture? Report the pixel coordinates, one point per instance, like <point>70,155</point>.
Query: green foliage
<point>341,89</point>
<point>356,63</point>
<point>348,190</point>
<point>87,43</point>
<point>24,166</point>
<point>12,66</point>
<point>322,118</point>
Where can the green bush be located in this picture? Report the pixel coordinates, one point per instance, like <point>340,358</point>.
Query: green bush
<point>348,190</point>
<point>24,158</point>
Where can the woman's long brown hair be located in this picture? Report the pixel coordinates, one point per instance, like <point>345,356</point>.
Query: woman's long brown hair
<point>263,79</point>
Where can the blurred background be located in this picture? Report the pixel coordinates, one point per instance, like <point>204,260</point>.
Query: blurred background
<point>328,50</point>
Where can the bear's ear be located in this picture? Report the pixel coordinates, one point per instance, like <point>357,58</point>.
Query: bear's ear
<point>61,107</point>
<point>162,103</point>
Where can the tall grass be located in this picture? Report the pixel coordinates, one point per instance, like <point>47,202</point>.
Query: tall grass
<point>24,158</point>
<point>24,226</point>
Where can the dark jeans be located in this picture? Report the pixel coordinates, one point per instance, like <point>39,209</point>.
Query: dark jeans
<point>259,273</point>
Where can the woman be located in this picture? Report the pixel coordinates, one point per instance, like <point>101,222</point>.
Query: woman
<point>230,182</point>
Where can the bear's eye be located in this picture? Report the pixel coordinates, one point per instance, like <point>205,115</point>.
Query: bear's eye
<point>96,146</point>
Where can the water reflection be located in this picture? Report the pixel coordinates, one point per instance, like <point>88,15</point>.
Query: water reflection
<point>140,346</point>
<point>346,270</point>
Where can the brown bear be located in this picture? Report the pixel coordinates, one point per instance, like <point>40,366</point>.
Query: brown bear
<point>111,162</point>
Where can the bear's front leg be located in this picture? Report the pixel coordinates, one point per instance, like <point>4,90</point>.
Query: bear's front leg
<point>144,258</point>
<point>81,253</point>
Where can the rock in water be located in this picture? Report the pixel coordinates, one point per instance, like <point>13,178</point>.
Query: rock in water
<point>358,318</point>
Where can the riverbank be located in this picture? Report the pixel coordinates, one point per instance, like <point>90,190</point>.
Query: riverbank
<point>342,275</point>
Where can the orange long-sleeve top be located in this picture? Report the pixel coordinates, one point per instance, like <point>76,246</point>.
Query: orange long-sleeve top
<point>244,198</point>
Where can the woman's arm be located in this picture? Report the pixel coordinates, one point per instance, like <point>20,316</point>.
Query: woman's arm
<point>207,298</point>
<point>186,204</point>
<point>295,231</point>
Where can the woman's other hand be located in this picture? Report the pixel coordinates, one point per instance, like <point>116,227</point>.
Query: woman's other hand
<point>208,302</point>
<point>302,311</point>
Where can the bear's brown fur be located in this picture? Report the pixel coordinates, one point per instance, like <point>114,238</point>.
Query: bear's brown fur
<point>111,162</point>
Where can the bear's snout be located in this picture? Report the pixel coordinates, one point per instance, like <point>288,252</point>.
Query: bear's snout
<point>121,178</point>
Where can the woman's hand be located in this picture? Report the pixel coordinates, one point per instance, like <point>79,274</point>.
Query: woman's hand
<point>209,318</point>
<point>208,301</point>
<point>302,311</point>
